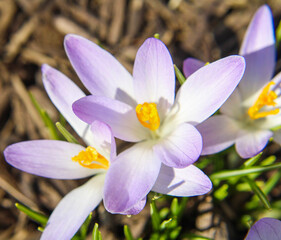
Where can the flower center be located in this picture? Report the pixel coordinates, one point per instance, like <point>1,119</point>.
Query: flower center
<point>266,98</point>
<point>148,115</point>
<point>90,158</point>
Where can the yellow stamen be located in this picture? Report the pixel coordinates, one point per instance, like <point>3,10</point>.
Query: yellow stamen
<point>148,115</point>
<point>266,98</point>
<point>90,158</point>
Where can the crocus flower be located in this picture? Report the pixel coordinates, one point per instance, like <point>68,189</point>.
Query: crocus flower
<point>63,160</point>
<point>252,111</point>
<point>142,108</point>
<point>265,229</point>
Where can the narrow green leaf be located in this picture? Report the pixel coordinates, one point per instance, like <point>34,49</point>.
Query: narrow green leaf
<point>242,172</point>
<point>38,217</point>
<point>85,226</point>
<point>175,233</point>
<point>258,192</point>
<point>128,233</point>
<point>175,207</point>
<point>165,224</point>
<point>181,78</point>
<point>40,229</point>
<point>222,192</point>
<point>252,161</point>
<point>182,207</point>
<point>45,118</point>
<point>271,182</point>
<point>96,233</point>
<point>155,217</point>
<point>68,136</point>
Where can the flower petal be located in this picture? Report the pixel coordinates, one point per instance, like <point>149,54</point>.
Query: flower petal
<point>181,148</point>
<point>250,143</point>
<point>118,115</point>
<point>277,136</point>
<point>184,182</point>
<point>47,158</point>
<point>260,33</point>
<point>259,70</point>
<point>103,140</point>
<point>265,229</point>
<point>130,177</point>
<point>136,208</point>
<point>233,105</point>
<point>63,93</point>
<point>191,65</point>
<point>207,89</point>
<point>99,71</point>
<point>73,209</point>
<point>218,132</point>
<point>154,76</point>
<point>258,48</point>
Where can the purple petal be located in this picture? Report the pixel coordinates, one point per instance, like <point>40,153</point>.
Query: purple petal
<point>103,140</point>
<point>181,148</point>
<point>260,33</point>
<point>118,115</point>
<point>130,177</point>
<point>73,209</point>
<point>154,76</point>
<point>191,65</point>
<point>136,208</point>
<point>63,93</point>
<point>258,48</point>
<point>259,70</point>
<point>218,133</point>
<point>265,229</point>
<point>207,89</point>
<point>99,71</point>
<point>250,143</point>
<point>47,158</point>
<point>184,182</point>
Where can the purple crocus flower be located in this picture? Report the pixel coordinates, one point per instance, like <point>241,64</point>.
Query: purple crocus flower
<point>251,113</point>
<point>265,229</point>
<point>142,108</point>
<point>63,160</point>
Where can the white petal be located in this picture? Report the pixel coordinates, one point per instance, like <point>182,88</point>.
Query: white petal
<point>73,209</point>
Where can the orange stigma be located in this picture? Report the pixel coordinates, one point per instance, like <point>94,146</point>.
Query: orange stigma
<point>266,98</point>
<point>90,158</point>
<point>148,115</point>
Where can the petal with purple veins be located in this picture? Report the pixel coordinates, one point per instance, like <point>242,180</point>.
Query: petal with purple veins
<point>47,158</point>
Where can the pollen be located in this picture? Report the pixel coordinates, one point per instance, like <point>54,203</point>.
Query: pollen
<point>266,98</point>
<point>90,158</point>
<point>148,115</point>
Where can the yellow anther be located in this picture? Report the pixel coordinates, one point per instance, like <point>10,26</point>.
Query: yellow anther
<point>90,158</point>
<point>266,98</point>
<point>148,115</point>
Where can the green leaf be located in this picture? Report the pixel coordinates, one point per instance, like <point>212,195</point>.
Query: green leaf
<point>252,161</point>
<point>175,207</point>
<point>85,226</point>
<point>68,136</point>
<point>155,217</point>
<point>258,192</point>
<point>181,78</point>
<point>222,192</point>
<point>128,233</point>
<point>242,172</point>
<point>175,233</point>
<point>96,233</point>
<point>46,118</point>
<point>38,217</point>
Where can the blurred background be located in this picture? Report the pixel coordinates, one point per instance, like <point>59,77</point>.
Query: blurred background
<point>32,33</point>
